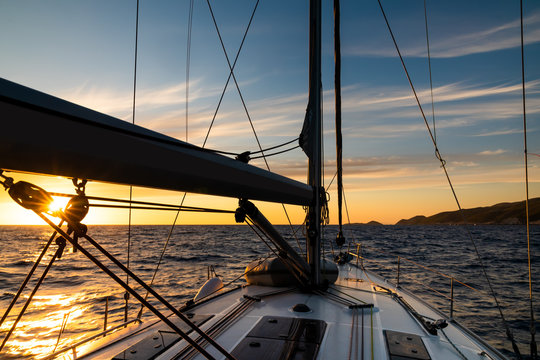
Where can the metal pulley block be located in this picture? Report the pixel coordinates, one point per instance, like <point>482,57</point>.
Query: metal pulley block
<point>30,196</point>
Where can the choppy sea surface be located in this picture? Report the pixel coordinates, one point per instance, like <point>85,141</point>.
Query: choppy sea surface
<point>71,302</point>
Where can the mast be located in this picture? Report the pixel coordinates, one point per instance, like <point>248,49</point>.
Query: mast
<point>315,136</point>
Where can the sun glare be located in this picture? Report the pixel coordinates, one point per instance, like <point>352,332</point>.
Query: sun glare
<point>59,203</point>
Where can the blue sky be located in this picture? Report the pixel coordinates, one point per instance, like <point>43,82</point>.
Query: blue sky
<point>84,52</point>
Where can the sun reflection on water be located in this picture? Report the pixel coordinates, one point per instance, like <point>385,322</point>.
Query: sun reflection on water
<point>37,332</point>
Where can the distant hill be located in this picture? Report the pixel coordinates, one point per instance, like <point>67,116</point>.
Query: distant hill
<point>373,222</point>
<point>502,214</point>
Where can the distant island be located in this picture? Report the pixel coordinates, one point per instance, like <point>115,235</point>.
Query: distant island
<point>499,214</point>
<point>373,222</point>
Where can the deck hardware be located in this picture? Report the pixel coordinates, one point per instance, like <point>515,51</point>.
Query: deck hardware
<point>106,313</point>
<point>158,341</point>
<point>451,298</point>
<point>254,298</point>
<point>244,157</point>
<point>282,338</point>
<point>405,346</point>
<point>30,196</point>
<point>360,306</point>
<point>301,308</point>
<point>398,270</point>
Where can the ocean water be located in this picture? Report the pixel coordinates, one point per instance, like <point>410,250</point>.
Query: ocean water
<point>71,302</point>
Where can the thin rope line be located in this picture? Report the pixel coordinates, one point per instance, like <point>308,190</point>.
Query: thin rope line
<point>277,146</point>
<point>430,77</point>
<point>207,134</point>
<point>97,198</point>
<point>133,121</point>
<point>443,165</point>
<point>337,91</point>
<point>534,351</point>
<point>276,153</point>
<point>231,73</point>
<point>176,208</point>
<point>165,246</point>
<point>293,231</point>
<point>129,230</point>
<point>352,334</point>
<point>188,62</point>
<point>235,81</point>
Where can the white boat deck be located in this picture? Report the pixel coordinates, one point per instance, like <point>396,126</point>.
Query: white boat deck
<point>345,336</point>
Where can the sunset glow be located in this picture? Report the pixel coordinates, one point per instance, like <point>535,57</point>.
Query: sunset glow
<point>84,53</point>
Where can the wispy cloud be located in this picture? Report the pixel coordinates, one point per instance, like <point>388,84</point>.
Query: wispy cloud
<point>500,37</point>
<point>500,132</point>
<point>399,97</point>
<point>492,152</point>
<point>382,112</point>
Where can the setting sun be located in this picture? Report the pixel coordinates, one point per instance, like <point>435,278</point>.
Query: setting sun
<point>59,203</point>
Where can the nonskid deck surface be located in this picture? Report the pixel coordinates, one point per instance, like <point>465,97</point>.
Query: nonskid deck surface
<point>359,317</point>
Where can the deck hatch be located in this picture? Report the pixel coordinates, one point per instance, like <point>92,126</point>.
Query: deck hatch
<point>159,341</point>
<point>405,346</point>
<point>275,337</point>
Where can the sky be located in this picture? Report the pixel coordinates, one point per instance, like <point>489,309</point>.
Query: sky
<point>84,52</point>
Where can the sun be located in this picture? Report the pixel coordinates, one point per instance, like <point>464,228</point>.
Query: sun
<point>59,203</point>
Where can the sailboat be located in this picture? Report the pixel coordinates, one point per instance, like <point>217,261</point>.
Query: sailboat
<point>293,307</point>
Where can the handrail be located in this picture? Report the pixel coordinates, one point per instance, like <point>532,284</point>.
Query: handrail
<point>420,265</point>
<point>359,256</point>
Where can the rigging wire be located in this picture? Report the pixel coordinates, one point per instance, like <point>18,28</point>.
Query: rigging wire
<point>166,244</point>
<point>29,275</point>
<point>276,153</point>
<point>152,205</point>
<point>533,346</point>
<point>275,147</point>
<point>126,294</point>
<point>339,139</point>
<point>210,127</point>
<point>177,208</point>
<point>159,298</point>
<point>443,165</point>
<point>188,62</point>
<point>430,77</point>
<point>231,74</point>
<point>231,68</point>
<point>62,329</point>
<point>57,255</point>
